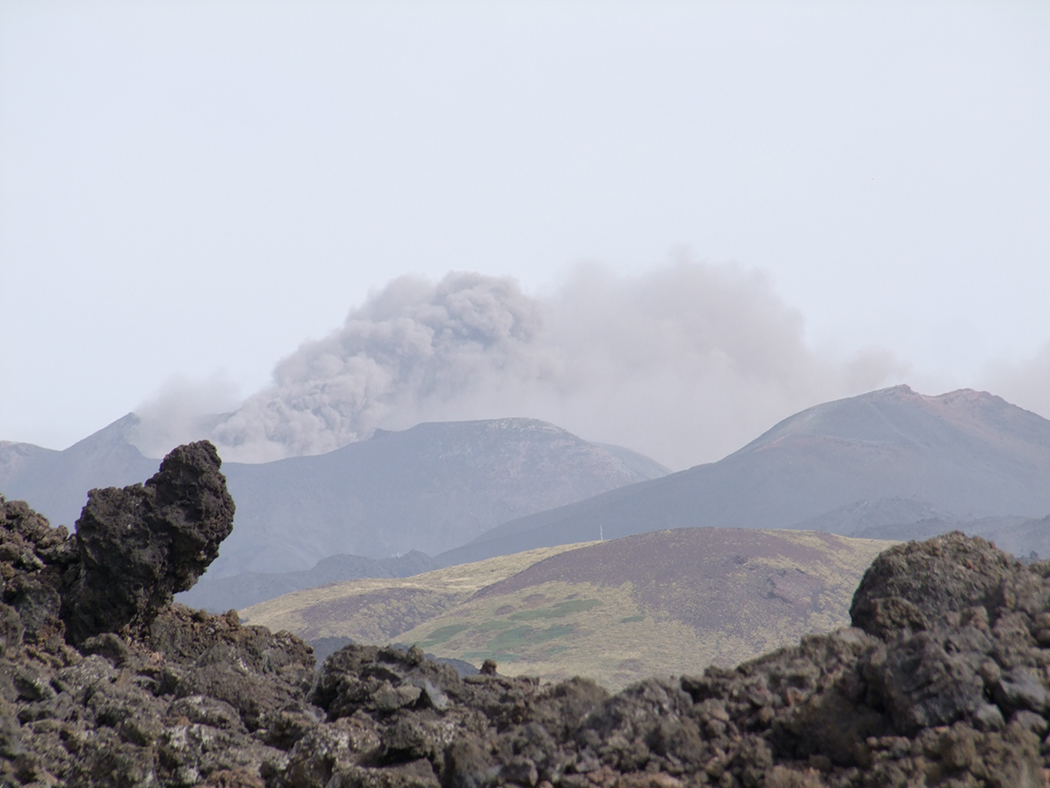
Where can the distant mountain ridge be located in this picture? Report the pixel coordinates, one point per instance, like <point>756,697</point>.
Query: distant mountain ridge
<point>428,488</point>
<point>56,483</point>
<point>890,464</point>
<point>966,454</point>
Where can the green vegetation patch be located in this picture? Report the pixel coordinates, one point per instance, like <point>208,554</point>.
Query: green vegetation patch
<point>550,651</point>
<point>492,626</point>
<point>523,637</point>
<point>442,634</point>
<point>631,619</point>
<point>559,610</point>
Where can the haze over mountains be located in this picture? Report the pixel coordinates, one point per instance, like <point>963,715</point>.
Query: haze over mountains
<point>430,488</point>
<point>56,482</point>
<point>891,464</point>
<point>968,455</point>
<point>683,363</point>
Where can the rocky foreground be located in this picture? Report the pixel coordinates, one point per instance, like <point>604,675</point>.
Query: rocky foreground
<point>942,681</point>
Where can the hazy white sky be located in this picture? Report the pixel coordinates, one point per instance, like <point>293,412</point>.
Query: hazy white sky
<point>194,188</point>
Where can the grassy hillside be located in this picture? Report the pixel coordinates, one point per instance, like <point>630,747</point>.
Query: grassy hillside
<point>377,610</point>
<point>656,603</point>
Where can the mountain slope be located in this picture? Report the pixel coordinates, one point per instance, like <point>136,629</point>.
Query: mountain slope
<point>429,488</point>
<point>219,594</point>
<point>618,610</point>
<point>1017,535</point>
<point>969,454</point>
<point>55,483</point>
<point>379,609</point>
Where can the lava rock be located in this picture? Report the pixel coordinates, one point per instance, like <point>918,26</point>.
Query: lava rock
<point>911,584</point>
<point>140,545</point>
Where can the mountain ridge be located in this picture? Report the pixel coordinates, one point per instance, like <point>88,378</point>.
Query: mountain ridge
<point>427,488</point>
<point>56,482</point>
<point>967,453</point>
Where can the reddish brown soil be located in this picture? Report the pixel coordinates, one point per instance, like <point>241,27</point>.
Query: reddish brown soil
<point>707,578</point>
<point>390,611</point>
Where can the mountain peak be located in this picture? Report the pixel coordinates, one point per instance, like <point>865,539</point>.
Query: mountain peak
<point>961,455</point>
<point>958,398</point>
<point>899,415</point>
<point>119,432</point>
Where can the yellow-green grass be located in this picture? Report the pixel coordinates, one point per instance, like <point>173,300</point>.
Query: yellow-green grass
<point>558,630</point>
<point>633,624</point>
<point>376,610</point>
<point>662,603</point>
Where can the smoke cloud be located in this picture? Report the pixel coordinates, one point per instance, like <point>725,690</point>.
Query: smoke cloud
<point>1025,383</point>
<point>184,410</point>
<point>414,348</point>
<point>685,363</point>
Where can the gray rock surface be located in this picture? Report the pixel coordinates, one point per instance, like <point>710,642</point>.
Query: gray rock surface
<point>932,579</point>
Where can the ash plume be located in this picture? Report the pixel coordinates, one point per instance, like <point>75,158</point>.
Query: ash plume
<point>411,347</point>
<point>1025,383</point>
<point>684,363</point>
<point>183,411</point>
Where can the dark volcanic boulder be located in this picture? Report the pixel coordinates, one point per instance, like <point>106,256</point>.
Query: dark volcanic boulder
<point>140,545</point>
<point>34,558</point>
<point>911,585</point>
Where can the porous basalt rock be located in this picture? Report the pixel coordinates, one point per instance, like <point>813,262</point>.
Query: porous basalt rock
<point>912,584</point>
<point>942,682</point>
<point>140,545</point>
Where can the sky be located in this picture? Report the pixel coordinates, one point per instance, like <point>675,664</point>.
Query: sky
<point>662,224</point>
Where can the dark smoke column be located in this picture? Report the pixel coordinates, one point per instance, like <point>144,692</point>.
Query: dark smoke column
<point>140,545</point>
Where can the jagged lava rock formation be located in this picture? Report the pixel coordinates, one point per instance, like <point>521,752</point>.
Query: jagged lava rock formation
<point>140,545</point>
<point>943,681</point>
